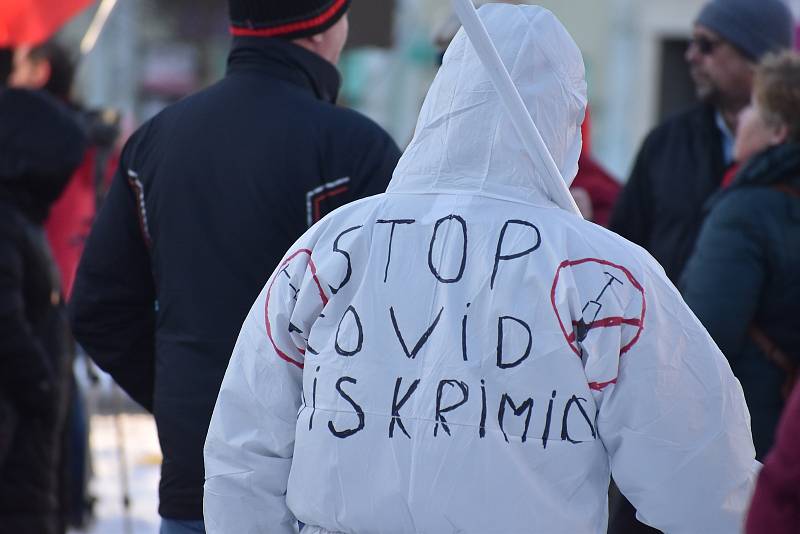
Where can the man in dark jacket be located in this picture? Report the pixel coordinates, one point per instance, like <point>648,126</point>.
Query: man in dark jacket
<point>208,196</point>
<point>682,161</point>
<point>40,146</point>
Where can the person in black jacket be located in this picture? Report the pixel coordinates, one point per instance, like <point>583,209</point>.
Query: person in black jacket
<point>41,144</point>
<point>208,196</point>
<point>50,67</point>
<point>682,161</point>
<point>742,280</point>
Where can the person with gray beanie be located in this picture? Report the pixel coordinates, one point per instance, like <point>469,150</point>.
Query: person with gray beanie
<point>682,161</point>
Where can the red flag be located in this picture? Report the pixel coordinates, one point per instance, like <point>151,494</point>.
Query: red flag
<point>34,21</point>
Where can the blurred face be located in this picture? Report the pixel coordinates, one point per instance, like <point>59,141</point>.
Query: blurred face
<point>28,73</point>
<point>721,74</point>
<point>755,133</point>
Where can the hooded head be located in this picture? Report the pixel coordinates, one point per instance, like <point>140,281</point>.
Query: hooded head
<point>465,141</point>
<point>41,144</point>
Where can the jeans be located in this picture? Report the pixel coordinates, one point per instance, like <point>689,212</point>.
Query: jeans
<point>176,526</point>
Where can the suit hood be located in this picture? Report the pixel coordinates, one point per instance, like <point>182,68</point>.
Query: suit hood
<point>465,141</point>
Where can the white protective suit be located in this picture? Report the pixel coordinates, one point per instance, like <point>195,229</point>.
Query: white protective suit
<point>460,355</point>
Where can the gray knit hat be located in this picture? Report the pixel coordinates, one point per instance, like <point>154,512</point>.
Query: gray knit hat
<point>755,27</point>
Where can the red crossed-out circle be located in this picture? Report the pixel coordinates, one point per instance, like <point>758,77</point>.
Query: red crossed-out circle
<point>605,322</point>
<point>283,354</point>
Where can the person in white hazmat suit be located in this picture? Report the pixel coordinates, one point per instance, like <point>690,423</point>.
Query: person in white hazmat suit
<point>461,355</point>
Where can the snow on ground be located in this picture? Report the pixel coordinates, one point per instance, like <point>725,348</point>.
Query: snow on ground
<point>142,461</point>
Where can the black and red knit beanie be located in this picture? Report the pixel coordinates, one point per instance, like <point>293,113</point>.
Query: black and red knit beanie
<point>288,19</point>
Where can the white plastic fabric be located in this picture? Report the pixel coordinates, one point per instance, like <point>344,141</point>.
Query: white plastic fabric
<point>555,186</point>
<point>461,355</point>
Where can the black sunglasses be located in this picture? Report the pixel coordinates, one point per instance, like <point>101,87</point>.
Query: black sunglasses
<point>704,45</point>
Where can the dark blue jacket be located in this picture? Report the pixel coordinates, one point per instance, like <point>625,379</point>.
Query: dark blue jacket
<point>745,272</point>
<point>209,195</point>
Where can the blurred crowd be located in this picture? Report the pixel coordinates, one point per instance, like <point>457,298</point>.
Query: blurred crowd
<point>204,199</point>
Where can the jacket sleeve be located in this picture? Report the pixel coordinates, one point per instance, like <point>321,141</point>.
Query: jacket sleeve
<point>250,441</point>
<point>725,276</point>
<point>632,214</point>
<point>776,502</point>
<point>24,368</point>
<point>112,307</point>
<point>675,423</point>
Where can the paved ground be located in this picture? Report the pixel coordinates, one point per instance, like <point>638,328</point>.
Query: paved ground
<point>142,458</point>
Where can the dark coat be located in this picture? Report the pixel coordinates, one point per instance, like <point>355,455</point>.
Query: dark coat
<point>208,197</point>
<point>40,145</point>
<point>679,165</point>
<point>744,273</point>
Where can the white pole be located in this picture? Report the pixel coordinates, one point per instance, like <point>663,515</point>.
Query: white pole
<point>96,26</point>
<point>518,113</point>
